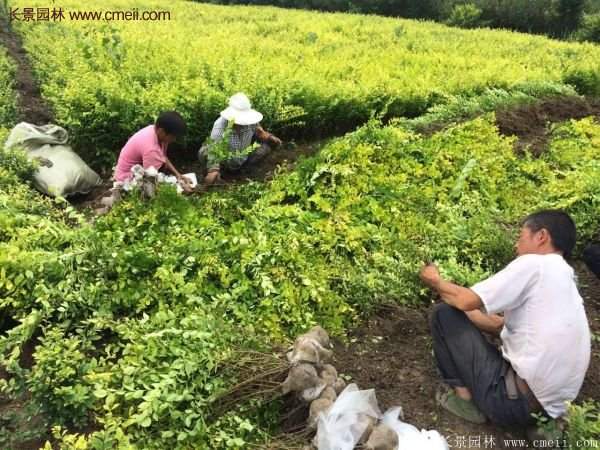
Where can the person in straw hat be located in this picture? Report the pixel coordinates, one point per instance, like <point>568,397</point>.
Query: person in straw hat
<point>240,124</point>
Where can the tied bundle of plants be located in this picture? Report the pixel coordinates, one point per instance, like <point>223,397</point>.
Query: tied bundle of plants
<point>311,347</point>
<point>149,183</point>
<point>312,380</point>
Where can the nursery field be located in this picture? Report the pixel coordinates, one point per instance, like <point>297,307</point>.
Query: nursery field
<point>140,340</point>
<point>140,329</point>
<point>309,73</point>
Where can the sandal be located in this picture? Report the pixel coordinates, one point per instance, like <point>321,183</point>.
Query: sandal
<point>465,409</point>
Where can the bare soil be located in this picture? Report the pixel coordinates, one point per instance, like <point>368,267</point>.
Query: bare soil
<point>532,123</point>
<point>31,106</point>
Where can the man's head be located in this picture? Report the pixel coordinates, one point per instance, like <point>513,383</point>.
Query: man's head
<point>548,231</point>
<point>169,126</point>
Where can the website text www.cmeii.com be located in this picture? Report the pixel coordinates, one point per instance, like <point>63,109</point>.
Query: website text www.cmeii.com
<point>494,443</point>
<point>58,14</point>
<point>552,444</point>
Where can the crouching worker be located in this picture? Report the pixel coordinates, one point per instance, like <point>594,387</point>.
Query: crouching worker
<point>148,148</point>
<point>545,335</point>
<point>231,141</point>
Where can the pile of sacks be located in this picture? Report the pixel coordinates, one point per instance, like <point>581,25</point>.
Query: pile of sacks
<point>345,417</point>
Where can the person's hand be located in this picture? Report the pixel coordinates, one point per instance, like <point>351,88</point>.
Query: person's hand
<point>275,140</point>
<point>185,184</point>
<point>430,275</point>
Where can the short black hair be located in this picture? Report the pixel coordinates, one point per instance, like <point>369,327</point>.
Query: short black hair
<point>172,123</point>
<point>591,257</point>
<point>560,226</point>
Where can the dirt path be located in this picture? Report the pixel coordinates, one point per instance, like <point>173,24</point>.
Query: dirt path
<point>31,106</point>
<point>391,352</point>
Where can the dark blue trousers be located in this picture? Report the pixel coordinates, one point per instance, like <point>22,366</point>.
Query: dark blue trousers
<point>465,358</point>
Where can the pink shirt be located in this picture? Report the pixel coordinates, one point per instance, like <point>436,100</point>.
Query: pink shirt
<point>142,148</point>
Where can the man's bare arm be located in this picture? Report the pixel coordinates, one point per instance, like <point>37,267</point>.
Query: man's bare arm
<point>458,296</point>
<point>185,183</point>
<point>171,168</point>
<point>490,323</point>
<point>265,136</point>
<point>261,134</point>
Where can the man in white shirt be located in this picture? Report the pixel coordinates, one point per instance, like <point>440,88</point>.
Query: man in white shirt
<point>545,334</point>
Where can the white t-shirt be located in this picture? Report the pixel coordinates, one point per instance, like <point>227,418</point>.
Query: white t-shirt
<point>546,336</point>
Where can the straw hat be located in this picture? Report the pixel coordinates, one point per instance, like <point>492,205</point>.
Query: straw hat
<point>240,111</point>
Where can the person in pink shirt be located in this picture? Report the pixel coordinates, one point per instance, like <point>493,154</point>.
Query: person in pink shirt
<point>148,148</point>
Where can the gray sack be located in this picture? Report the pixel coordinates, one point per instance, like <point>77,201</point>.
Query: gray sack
<point>62,172</point>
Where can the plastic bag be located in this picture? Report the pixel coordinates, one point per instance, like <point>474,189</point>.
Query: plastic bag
<point>170,179</point>
<point>347,420</point>
<point>32,137</point>
<point>409,437</point>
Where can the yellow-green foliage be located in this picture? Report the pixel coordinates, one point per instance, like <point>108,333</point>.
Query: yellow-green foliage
<point>138,313</point>
<point>584,426</point>
<point>306,71</point>
<point>8,104</point>
<point>574,150</point>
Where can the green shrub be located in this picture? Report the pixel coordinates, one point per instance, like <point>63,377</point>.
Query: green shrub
<point>465,15</point>
<point>552,17</point>
<point>587,82</point>
<point>106,80</point>
<point>583,422</point>
<point>58,380</point>
<point>589,29</point>
<point>16,161</point>
<point>8,104</point>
